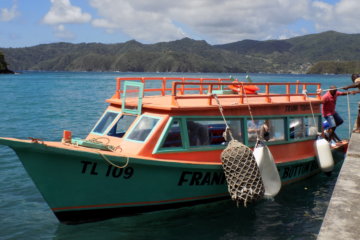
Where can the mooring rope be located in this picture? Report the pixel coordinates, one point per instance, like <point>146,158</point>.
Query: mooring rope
<point>249,107</point>
<point>113,164</point>
<point>227,130</point>
<point>349,115</point>
<point>304,91</point>
<point>112,149</point>
<point>108,147</point>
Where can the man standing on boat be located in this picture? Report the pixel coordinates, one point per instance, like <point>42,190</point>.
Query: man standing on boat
<point>356,84</point>
<point>328,110</point>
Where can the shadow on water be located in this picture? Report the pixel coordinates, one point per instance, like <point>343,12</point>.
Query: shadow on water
<point>296,213</point>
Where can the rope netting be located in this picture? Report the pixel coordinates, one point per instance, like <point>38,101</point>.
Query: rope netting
<point>242,173</point>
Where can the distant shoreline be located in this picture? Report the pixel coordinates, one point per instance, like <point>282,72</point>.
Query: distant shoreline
<point>6,71</point>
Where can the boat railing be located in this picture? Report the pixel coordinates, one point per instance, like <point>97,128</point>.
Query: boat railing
<point>204,88</point>
<point>165,83</point>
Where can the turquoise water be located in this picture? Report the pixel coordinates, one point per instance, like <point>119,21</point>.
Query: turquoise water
<point>43,104</point>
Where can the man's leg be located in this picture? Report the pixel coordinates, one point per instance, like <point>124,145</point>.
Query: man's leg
<point>332,125</point>
<point>338,121</point>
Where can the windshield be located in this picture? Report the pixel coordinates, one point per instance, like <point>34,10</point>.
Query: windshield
<point>105,122</point>
<point>120,128</point>
<point>143,128</point>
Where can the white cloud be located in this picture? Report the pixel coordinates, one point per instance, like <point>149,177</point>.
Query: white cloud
<point>221,21</point>
<point>215,21</point>
<point>342,16</point>
<point>62,12</point>
<point>8,14</point>
<point>143,21</point>
<point>62,33</point>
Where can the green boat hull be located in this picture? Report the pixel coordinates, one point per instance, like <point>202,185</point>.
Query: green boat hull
<point>82,186</point>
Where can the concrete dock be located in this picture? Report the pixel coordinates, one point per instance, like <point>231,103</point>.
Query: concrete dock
<point>342,219</point>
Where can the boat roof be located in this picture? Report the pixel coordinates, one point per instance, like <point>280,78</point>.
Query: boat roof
<point>206,93</point>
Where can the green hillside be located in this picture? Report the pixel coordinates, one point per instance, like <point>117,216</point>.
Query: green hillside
<point>335,67</point>
<point>3,65</point>
<point>295,55</point>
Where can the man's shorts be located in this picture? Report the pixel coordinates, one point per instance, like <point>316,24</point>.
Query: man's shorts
<point>334,120</point>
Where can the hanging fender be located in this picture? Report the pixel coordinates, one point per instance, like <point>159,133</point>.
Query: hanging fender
<point>324,155</point>
<point>268,170</point>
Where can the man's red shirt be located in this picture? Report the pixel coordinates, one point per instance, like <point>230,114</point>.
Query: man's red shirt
<point>329,103</point>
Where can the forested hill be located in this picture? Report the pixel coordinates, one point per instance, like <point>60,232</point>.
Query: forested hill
<point>294,55</point>
<point>3,65</point>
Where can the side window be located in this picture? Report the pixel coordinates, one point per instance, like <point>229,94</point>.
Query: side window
<point>120,128</point>
<point>266,129</point>
<point>277,129</point>
<point>105,122</point>
<point>302,127</point>
<point>210,132</point>
<point>235,128</point>
<point>311,126</point>
<point>198,133</point>
<point>143,128</point>
<point>173,137</point>
<point>297,128</point>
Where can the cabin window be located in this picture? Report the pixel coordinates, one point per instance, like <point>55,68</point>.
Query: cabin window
<point>105,122</point>
<point>143,128</point>
<point>266,130</point>
<point>173,137</point>
<point>236,129</point>
<point>301,127</point>
<point>120,128</point>
<point>210,132</point>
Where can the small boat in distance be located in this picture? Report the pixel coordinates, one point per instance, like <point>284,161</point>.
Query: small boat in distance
<point>158,145</point>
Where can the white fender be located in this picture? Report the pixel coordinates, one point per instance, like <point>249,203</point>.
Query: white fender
<point>268,171</point>
<point>324,156</point>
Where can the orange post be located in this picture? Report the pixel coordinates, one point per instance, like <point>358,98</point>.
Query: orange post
<point>67,136</point>
<point>117,93</point>
<point>163,87</point>
<point>319,94</point>
<point>297,87</point>
<point>288,92</point>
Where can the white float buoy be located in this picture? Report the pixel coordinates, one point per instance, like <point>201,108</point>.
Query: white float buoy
<point>268,170</point>
<point>324,155</point>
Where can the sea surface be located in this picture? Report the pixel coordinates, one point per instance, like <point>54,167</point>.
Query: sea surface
<point>43,104</point>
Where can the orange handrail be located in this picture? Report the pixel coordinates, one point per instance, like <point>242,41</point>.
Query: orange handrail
<point>214,84</point>
<point>164,81</point>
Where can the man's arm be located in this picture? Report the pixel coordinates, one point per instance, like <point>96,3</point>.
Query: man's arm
<point>355,85</point>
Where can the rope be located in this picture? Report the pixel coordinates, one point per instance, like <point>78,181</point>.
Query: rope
<point>221,109</point>
<point>329,89</point>
<point>251,115</point>
<point>110,148</point>
<point>349,115</point>
<point>36,140</point>
<point>227,130</point>
<point>107,145</point>
<point>113,164</point>
<point>304,91</point>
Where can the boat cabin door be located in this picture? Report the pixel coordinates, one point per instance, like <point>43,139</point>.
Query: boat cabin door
<point>132,97</point>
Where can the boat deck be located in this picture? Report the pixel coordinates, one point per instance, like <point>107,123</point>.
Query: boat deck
<point>188,93</point>
<point>226,101</point>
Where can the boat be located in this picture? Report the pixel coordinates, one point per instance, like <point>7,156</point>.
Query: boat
<point>159,142</point>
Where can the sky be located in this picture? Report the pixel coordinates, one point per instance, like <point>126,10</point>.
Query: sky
<point>25,23</point>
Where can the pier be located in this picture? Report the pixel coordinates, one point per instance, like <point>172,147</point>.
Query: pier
<point>342,218</point>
